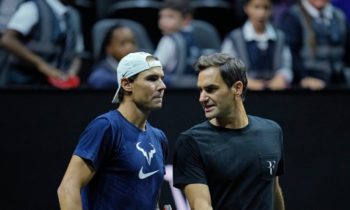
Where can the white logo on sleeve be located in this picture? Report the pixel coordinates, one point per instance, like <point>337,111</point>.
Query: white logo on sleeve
<point>148,156</point>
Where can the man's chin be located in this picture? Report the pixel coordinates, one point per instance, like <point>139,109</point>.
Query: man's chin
<point>209,116</point>
<point>156,106</point>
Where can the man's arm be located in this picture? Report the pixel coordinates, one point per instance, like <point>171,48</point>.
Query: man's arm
<point>78,174</point>
<point>279,202</point>
<point>198,196</point>
<point>11,41</point>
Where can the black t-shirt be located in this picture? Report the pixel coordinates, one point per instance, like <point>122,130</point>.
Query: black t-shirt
<point>238,165</point>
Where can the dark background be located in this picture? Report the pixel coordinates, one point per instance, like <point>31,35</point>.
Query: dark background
<point>40,128</point>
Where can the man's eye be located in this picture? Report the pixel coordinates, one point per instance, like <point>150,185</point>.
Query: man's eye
<point>209,90</point>
<point>153,79</point>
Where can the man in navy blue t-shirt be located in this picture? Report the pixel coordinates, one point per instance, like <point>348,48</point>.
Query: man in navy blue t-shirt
<point>119,160</point>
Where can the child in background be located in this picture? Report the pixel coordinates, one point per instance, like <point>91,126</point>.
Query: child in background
<point>262,48</point>
<point>177,50</point>
<point>119,41</point>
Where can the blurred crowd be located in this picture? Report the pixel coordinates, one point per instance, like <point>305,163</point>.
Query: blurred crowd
<point>69,44</point>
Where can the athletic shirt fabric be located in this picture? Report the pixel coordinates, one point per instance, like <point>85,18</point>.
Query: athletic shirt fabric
<point>129,164</point>
<point>238,165</point>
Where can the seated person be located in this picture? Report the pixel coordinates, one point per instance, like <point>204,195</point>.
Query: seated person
<point>262,47</point>
<point>118,42</point>
<point>177,50</point>
<point>45,39</point>
<point>318,36</point>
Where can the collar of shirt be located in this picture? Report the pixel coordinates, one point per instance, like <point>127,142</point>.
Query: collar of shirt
<point>57,7</point>
<point>315,13</point>
<point>249,33</point>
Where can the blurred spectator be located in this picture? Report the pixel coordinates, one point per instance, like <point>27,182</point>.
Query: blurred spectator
<point>7,8</point>
<point>317,33</point>
<point>177,50</point>
<point>262,48</point>
<point>118,42</point>
<point>45,38</point>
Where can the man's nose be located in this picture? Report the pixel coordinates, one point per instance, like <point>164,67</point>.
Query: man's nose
<point>203,96</point>
<point>162,85</point>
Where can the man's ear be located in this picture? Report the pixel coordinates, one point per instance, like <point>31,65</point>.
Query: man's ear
<point>237,88</point>
<point>126,85</point>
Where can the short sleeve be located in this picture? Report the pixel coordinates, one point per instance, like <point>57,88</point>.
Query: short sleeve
<point>188,164</point>
<point>227,47</point>
<point>96,142</point>
<point>24,19</point>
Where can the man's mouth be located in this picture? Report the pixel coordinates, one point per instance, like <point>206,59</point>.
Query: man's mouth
<point>208,108</point>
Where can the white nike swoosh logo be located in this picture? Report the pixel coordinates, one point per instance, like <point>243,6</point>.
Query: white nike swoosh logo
<point>145,175</point>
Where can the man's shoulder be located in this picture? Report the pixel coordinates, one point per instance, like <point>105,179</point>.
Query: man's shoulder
<point>196,129</point>
<point>110,117</point>
<point>156,130</point>
<point>263,122</point>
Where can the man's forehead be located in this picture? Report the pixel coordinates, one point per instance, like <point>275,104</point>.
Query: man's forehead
<point>153,71</point>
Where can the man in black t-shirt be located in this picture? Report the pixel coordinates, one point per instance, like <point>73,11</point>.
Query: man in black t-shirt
<point>233,160</point>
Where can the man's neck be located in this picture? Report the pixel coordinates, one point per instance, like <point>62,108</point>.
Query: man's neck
<point>133,114</point>
<point>235,120</point>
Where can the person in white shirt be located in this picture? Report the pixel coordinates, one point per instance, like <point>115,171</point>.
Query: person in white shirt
<point>45,38</point>
<point>262,48</point>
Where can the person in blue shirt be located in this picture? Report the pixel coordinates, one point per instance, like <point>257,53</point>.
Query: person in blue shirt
<point>119,160</point>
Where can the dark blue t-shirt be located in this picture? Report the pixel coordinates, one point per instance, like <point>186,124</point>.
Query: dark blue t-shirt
<point>129,163</point>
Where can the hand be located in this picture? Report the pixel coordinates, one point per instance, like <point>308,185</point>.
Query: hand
<point>64,83</point>
<point>256,84</point>
<point>278,82</point>
<point>312,83</point>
